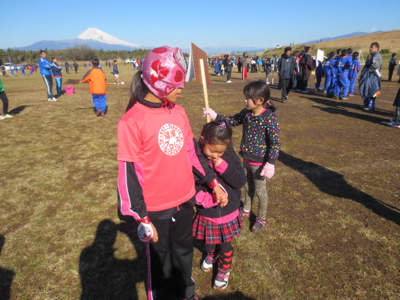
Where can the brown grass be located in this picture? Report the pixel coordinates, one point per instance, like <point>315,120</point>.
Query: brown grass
<point>333,218</point>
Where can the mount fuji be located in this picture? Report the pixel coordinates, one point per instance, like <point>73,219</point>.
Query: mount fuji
<point>92,37</point>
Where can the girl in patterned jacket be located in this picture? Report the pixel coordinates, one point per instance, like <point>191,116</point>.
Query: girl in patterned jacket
<point>259,146</point>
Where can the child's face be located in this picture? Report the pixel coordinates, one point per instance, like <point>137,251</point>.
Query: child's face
<point>213,151</point>
<point>174,95</point>
<point>55,60</point>
<point>253,104</point>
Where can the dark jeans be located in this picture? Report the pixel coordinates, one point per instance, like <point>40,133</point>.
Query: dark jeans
<point>48,80</point>
<point>285,87</point>
<point>3,97</point>
<point>397,115</point>
<point>305,78</point>
<point>228,75</point>
<point>67,70</point>
<point>390,75</point>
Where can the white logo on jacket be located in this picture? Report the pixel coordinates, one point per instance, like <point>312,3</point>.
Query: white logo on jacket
<point>170,139</point>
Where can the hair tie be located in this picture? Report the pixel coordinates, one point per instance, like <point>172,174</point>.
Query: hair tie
<point>222,126</point>
<point>141,76</point>
<point>269,103</point>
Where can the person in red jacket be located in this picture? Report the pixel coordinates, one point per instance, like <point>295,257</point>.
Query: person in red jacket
<point>97,87</point>
<point>156,154</point>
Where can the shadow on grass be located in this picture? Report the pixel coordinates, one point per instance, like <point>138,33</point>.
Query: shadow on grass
<point>334,184</point>
<point>17,110</point>
<point>344,112</point>
<point>103,276</point>
<point>327,102</point>
<point>6,277</point>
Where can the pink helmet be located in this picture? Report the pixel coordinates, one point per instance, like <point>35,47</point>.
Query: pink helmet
<point>164,70</point>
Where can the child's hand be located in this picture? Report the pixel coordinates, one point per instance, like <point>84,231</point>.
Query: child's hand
<point>220,195</point>
<point>268,171</point>
<point>146,231</point>
<point>217,161</point>
<point>213,115</point>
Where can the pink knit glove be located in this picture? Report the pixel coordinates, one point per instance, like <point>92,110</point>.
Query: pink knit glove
<point>211,113</point>
<point>268,171</point>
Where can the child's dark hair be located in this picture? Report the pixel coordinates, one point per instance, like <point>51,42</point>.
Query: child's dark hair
<point>307,48</point>
<point>95,62</point>
<point>115,60</point>
<point>216,133</point>
<point>256,90</point>
<point>375,44</point>
<point>349,51</point>
<point>53,58</point>
<point>394,54</point>
<point>138,90</point>
<point>344,53</point>
<point>355,55</point>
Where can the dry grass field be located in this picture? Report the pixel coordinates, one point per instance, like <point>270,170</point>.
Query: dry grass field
<point>334,202</point>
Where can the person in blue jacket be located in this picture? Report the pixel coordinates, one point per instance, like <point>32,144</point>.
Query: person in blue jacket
<point>353,72</point>
<point>332,92</point>
<point>217,68</point>
<point>12,70</point>
<point>57,74</point>
<point>343,66</point>
<point>45,71</point>
<point>23,70</point>
<point>319,72</point>
<point>327,73</point>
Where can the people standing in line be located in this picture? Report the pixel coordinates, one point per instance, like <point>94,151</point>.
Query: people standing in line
<point>116,72</point>
<point>45,71</point>
<point>97,87</point>
<point>66,64</point>
<point>217,224</point>
<point>76,66</point>
<point>4,99</point>
<point>259,147</point>
<point>245,64</point>
<point>343,66</point>
<point>286,67</point>
<point>57,74</point>
<point>306,68</point>
<point>353,72</point>
<point>392,65</point>
<point>327,73</point>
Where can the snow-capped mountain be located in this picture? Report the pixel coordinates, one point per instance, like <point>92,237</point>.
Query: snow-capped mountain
<point>95,34</point>
<point>91,37</point>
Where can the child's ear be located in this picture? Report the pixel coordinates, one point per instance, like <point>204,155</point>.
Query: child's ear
<point>201,138</point>
<point>261,100</point>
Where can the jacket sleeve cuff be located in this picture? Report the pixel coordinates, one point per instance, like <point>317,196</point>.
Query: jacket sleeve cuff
<point>222,167</point>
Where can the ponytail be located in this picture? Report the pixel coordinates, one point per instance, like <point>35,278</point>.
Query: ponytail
<point>138,90</point>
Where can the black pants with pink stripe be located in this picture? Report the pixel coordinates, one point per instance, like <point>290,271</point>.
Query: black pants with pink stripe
<point>170,259</point>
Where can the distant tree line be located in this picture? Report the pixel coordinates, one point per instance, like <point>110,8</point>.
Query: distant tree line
<point>77,53</point>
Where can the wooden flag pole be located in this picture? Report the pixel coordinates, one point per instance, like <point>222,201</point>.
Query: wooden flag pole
<point>204,81</point>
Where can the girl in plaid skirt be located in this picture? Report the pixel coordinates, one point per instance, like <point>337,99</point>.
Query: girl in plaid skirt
<point>217,223</point>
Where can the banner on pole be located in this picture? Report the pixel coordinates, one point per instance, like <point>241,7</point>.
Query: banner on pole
<point>194,70</point>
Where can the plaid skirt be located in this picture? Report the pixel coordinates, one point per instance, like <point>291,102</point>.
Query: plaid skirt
<point>213,233</point>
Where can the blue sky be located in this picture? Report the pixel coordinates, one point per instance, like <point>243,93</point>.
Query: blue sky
<point>205,23</point>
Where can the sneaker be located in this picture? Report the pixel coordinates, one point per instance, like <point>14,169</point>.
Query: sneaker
<point>102,114</point>
<point>306,92</point>
<point>345,98</point>
<point>335,96</point>
<point>53,99</point>
<point>259,225</point>
<point>350,95</point>
<point>98,112</point>
<point>340,98</point>
<point>228,81</point>
<point>325,92</point>
<point>393,124</point>
<point>267,82</point>
<point>221,281</point>
<point>244,213</point>
<point>8,116</point>
<point>283,99</point>
<point>366,108</point>
<point>2,117</point>
<point>49,99</point>
<point>207,263</point>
